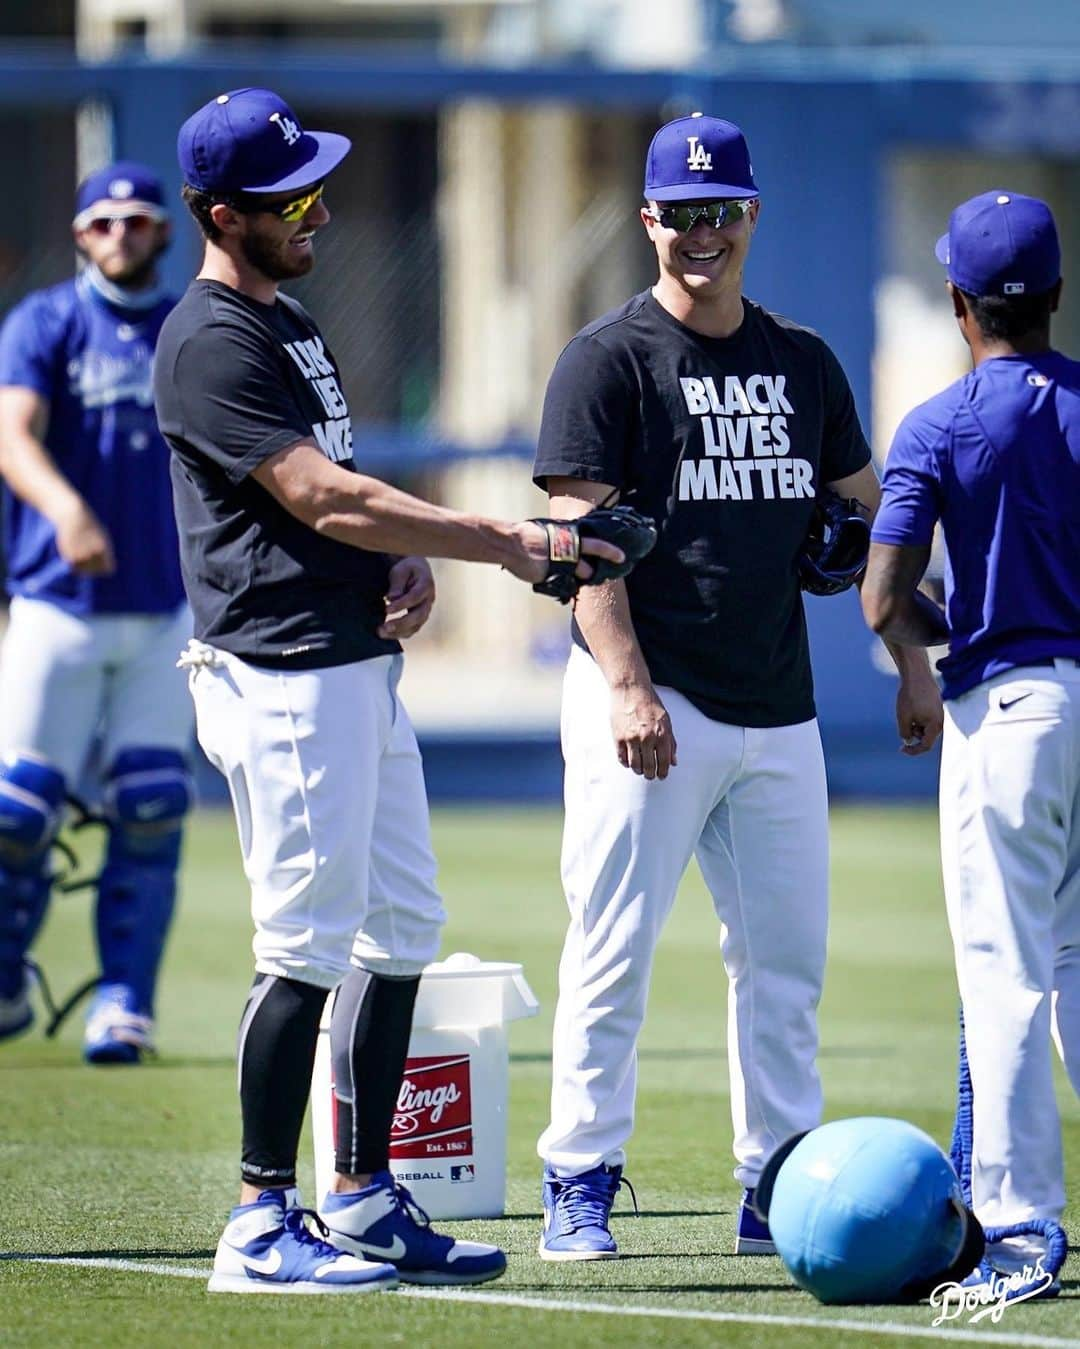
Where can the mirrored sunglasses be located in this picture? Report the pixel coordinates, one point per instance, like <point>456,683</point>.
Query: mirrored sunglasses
<point>288,211</point>
<point>104,224</point>
<point>717,214</point>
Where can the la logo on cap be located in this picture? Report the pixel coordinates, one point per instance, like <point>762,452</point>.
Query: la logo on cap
<point>698,160</point>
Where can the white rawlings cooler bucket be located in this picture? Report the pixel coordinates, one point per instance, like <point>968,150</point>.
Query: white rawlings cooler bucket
<point>448,1140</point>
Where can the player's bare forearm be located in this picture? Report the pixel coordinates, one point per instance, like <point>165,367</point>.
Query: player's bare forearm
<point>25,463</point>
<point>889,598</point>
<point>911,660</point>
<point>603,615</point>
<point>32,475</point>
<point>640,725</point>
<point>893,605</point>
<point>372,514</point>
<point>366,512</point>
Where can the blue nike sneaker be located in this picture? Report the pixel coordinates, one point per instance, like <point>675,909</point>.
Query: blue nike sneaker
<point>267,1248</point>
<point>384,1222</point>
<point>577,1210</point>
<point>1016,1267</point>
<point>752,1236</point>
<point>117,1031</point>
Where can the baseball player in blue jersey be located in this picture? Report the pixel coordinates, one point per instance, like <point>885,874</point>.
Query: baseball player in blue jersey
<point>688,721</point>
<point>996,459</point>
<point>87,668</point>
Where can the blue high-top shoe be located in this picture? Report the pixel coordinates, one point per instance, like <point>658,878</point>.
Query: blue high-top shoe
<point>752,1236</point>
<point>384,1222</point>
<point>267,1248</point>
<point>117,1029</point>
<point>1018,1266</point>
<point>577,1211</point>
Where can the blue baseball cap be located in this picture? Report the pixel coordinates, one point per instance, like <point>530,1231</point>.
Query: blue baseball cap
<point>698,158</point>
<point>250,140</point>
<point>1001,243</point>
<point>125,188</point>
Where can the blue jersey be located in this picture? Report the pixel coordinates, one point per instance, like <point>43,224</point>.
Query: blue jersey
<point>92,363</point>
<point>996,457</point>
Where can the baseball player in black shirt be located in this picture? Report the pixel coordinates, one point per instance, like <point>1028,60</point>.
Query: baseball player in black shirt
<point>303,576</point>
<point>688,713</point>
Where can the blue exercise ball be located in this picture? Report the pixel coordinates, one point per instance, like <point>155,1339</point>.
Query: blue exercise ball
<point>865,1210</point>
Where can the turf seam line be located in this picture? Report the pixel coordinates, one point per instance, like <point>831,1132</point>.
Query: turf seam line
<point>527,1303</point>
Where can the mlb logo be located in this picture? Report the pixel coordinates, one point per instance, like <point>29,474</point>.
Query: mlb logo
<point>462,1175</point>
<point>1013,288</point>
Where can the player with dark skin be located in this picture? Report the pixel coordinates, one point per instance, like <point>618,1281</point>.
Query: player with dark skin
<point>893,604</point>
<point>994,460</point>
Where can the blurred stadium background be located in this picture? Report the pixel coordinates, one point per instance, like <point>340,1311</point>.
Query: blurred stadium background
<point>489,209</point>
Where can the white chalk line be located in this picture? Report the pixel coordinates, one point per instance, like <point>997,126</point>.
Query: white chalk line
<point>542,1304</point>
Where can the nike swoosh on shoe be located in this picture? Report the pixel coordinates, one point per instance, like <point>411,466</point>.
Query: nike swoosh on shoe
<point>269,1265</point>
<point>395,1251</point>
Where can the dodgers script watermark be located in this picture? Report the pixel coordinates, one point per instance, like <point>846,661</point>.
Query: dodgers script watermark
<point>990,1298</point>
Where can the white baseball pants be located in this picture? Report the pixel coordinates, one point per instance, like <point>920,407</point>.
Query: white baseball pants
<point>1010,848</point>
<point>328,790</point>
<point>65,679</point>
<point>751,805</point>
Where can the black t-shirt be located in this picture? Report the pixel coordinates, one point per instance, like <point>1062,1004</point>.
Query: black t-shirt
<point>235,381</point>
<point>724,441</point>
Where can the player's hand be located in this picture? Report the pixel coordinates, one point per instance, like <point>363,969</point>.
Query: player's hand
<point>83,541</point>
<point>409,598</point>
<point>644,740</point>
<point>532,565</point>
<point>919,714</point>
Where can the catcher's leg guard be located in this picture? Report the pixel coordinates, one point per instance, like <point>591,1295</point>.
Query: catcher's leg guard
<point>31,806</point>
<point>149,793</point>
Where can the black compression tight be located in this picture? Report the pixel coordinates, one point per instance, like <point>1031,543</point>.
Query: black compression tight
<point>278,1034</point>
<point>369,1040</point>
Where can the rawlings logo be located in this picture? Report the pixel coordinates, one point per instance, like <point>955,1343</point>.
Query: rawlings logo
<point>433,1114</point>
<point>413,1100</point>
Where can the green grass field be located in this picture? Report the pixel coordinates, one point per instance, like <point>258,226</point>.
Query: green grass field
<point>139,1165</point>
